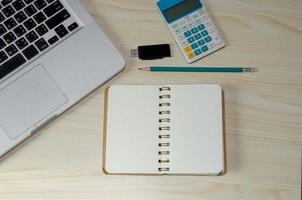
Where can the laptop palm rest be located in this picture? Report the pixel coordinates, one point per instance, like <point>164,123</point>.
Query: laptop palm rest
<point>28,100</point>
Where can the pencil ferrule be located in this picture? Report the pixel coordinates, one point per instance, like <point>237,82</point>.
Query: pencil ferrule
<point>250,70</point>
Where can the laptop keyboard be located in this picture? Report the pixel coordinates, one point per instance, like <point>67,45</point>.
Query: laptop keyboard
<point>29,28</point>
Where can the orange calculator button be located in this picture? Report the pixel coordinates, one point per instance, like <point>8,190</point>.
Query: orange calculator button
<point>188,49</point>
<point>191,55</point>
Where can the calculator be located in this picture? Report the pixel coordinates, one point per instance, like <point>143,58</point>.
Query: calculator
<point>192,27</point>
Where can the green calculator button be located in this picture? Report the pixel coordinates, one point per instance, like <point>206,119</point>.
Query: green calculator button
<point>191,40</point>
<point>188,34</point>
<point>201,27</point>
<point>194,30</point>
<point>194,46</point>
<point>197,52</point>
<point>197,36</point>
<point>204,48</point>
<point>201,42</point>
<point>204,33</point>
<point>208,39</point>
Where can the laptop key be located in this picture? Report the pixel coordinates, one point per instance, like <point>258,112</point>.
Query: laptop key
<point>11,50</point>
<point>40,17</point>
<point>18,5</point>
<point>3,57</point>
<point>53,8</point>
<point>53,40</point>
<point>21,43</point>
<point>11,64</point>
<point>41,30</point>
<point>30,10</point>
<point>2,44</point>
<point>40,4</point>
<point>57,19</point>
<point>31,36</point>
<point>30,24</point>
<point>9,37</point>
<point>73,26</point>
<point>30,52</point>
<point>1,17</point>
<point>19,31</point>
<point>6,2</point>
<point>61,31</point>
<point>8,11</point>
<point>2,30</point>
<point>20,17</point>
<point>41,44</point>
<point>10,23</point>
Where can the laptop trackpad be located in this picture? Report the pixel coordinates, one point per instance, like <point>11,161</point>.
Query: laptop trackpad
<point>28,100</point>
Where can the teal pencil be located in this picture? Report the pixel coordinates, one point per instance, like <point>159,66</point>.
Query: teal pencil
<point>199,69</point>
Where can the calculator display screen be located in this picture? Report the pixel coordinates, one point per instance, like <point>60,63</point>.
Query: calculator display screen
<point>182,9</point>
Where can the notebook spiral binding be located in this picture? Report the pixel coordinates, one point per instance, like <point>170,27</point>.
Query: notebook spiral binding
<point>164,129</point>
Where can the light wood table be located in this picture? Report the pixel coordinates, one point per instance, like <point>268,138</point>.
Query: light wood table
<point>263,112</point>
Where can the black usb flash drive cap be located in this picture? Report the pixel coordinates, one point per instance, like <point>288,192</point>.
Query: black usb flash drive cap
<point>152,52</point>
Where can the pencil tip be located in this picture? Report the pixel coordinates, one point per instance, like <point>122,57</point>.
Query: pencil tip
<point>143,69</point>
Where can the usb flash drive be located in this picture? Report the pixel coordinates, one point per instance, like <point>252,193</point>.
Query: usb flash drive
<point>152,52</point>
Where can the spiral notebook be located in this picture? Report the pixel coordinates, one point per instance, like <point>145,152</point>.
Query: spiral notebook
<point>163,130</point>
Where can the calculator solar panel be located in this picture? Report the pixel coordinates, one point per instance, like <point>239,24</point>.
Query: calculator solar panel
<point>30,28</point>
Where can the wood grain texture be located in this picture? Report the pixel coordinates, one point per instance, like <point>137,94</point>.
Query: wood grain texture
<point>263,111</point>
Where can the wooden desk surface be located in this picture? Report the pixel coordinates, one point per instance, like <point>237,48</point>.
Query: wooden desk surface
<point>263,112</point>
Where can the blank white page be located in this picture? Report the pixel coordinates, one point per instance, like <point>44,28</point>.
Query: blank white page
<point>196,130</point>
<point>132,130</point>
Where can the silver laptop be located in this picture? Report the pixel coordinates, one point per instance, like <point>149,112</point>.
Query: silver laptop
<point>52,54</point>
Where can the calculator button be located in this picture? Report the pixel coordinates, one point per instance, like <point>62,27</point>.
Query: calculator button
<point>201,42</point>
<point>184,43</point>
<point>208,23</point>
<point>188,34</point>
<point>191,40</point>
<point>190,25</point>
<point>211,45</point>
<point>204,33</point>
<point>197,52</point>
<point>181,37</point>
<point>217,38</point>
<point>197,36</point>
<point>198,21</point>
<point>191,55</point>
<point>185,27</point>
<point>194,46</point>
<point>188,49</point>
<point>204,48</point>
<point>211,29</point>
<point>189,19</point>
<point>205,17</point>
<point>178,31</point>
<point>208,39</point>
<point>194,30</point>
<point>201,27</point>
